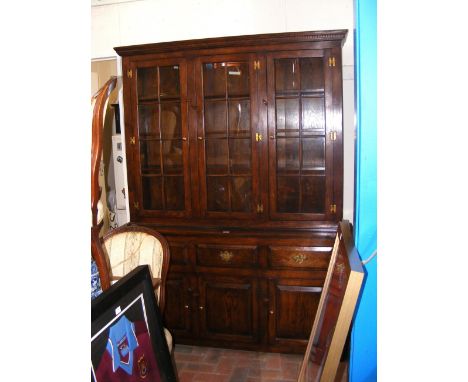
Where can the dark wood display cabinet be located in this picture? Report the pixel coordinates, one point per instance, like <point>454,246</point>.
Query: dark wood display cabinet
<point>234,152</point>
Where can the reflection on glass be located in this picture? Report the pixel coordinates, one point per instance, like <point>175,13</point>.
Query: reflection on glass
<point>214,79</point>
<point>171,126</point>
<point>239,118</point>
<point>313,194</point>
<point>313,113</point>
<point>241,197</point>
<point>148,120</point>
<point>216,156</point>
<point>152,192</point>
<point>313,153</point>
<point>147,83</point>
<point>287,115</point>
<point>172,158</point>
<point>287,154</point>
<point>238,79</point>
<point>286,74</point>
<point>150,156</point>
<point>174,192</point>
<point>169,81</point>
<point>217,193</point>
<point>239,150</point>
<point>288,194</point>
<point>215,117</point>
<point>312,74</point>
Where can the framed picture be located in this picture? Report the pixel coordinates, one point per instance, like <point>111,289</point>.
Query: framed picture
<point>336,308</point>
<point>127,335</point>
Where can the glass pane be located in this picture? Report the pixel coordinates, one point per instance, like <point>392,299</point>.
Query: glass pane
<point>287,154</point>
<point>238,79</point>
<point>313,194</point>
<point>150,157</point>
<point>215,117</point>
<point>217,193</point>
<point>287,116</point>
<point>172,157</point>
<point>148,119</point>
<point>313,153</point>
<point>313,114</point>
<point>312,74</point>
<point>216,156</point>
<point>286,74</point>
<point>239,118</point>
<point>169,81</point>
<point>288,194</point>
<point>152,186</point>
<point>147,83</point>
<point>171,126</point>
<point>241,194</point>
<point>214,80</point>
<point>240,151</point>
<point>174,192</point>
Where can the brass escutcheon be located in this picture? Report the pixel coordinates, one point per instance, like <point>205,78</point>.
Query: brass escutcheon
<point>299,258</point>
<point>226,256</point>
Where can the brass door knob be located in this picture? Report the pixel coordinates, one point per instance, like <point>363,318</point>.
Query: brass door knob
<point>272,312</point>
<point>200,307</point>
<point>186,306</point>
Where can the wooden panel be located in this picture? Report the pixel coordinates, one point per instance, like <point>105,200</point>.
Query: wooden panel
<point>179,253</point>
<point>299,257</point>
<point>226,256</point>
<point>293,305</point>
<point>228,308</point>
<point>179,307</point>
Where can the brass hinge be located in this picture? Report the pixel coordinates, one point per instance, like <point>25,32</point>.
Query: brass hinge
<point>331,61</point>
<point>258,137</point>
<point>132,140</point>
<point>259,208</point>
<point>333,208</point>
<point>333,135</point>
<point>256,65</point>
<point>136,205</point>
<point>129,73</point>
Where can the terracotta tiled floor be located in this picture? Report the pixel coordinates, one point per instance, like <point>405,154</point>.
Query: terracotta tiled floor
<point>206,364</point>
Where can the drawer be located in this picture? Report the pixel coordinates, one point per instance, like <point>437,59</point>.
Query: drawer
<point>299,257</point>
<point>226,256</point>
<point>179,253</point>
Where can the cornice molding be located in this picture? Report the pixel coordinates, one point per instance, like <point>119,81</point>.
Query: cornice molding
<point>234,41</point>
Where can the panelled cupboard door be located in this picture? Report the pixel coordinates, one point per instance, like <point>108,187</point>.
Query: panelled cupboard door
<point>180,309</point>
<point>228,309</point>
<point>226,88</point>
<point>293,305</point>
<point>300,140</point>
<point>159,139</point>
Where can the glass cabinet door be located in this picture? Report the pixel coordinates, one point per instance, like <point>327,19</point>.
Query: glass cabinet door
<point>300,160</point>
<point>226,134</point>
<point>162,137</point>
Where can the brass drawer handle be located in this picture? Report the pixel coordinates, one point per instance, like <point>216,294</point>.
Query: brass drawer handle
<point>299,258</point>
<point>226,256</point>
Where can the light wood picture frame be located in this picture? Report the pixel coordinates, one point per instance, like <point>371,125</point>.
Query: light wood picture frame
<point>336,308</point>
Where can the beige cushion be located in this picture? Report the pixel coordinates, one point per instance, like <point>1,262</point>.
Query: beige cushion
<point>168,336</point>
<point>127,250</point>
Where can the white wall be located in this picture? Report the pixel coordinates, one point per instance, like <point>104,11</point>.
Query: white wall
<point>149,21</point>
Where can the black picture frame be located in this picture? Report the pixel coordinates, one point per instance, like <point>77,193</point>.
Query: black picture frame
<point>127,334</point>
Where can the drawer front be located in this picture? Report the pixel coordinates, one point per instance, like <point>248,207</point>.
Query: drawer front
<point>299,257</point>
<point>179,253</point>
<point>226,256</point>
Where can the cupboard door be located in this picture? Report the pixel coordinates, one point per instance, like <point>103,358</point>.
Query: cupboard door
<point>300,146</point>
<point>227,308</point>
<point>293,305</point>
<point>179,310</point>
<point>227,147</point>
<point>159,139</point>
